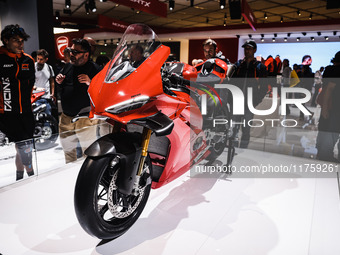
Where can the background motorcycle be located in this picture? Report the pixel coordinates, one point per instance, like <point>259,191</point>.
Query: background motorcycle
<point>158,135</point>
<point>46,127</point>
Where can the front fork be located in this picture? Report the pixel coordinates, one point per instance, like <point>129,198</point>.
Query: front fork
<point>145,145</point>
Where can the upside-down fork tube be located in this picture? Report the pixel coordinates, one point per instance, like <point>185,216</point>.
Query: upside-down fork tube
<point>145,146</point>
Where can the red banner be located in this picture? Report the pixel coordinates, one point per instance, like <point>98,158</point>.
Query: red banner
<point>248,14</point>
<point>107,22</point>
<point>154,7</point>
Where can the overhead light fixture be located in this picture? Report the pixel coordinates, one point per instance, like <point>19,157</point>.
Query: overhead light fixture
<point>222,4</point>
<point>273,39</point>
<point>102,1</point>
<point>192,3</point>
<point>242,19</point>
<point>87,9</point>
<point>275,35</point>
<point>92,6</point>
<point>298,13</point>
<point>298,39</point>
<point>334,32</point>
<point>57,15</point>
<point>224,23</point>
<point>265,16</point>
<point>288,34</point>
<point>311,16</point>
<point>250,36</point>
<point>262,39</point>
<point>171,5</point>
<point>238,36</point>
<point>285,39</point>
<point>207,20</point>
<point>67,4</point>
<point>319,33</point>
<point>105,44</point>
<point>304,33</point>
<point>281,20</point>
<point>312,38</point>
<point>326,38</point>
<point>225,16</point>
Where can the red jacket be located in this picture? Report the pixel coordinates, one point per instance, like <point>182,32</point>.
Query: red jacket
<point>17,77</point>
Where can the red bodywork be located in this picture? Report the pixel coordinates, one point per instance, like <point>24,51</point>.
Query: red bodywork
<point>146,80</point>
<point>36,95</point>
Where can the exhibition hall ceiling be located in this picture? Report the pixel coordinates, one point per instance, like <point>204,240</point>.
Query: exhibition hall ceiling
<point>197,13</point>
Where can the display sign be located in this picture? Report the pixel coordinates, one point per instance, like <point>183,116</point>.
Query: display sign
<point>62,43</point>
<point>154,7</point>
<point>107,22</point>
<point>248,14</point>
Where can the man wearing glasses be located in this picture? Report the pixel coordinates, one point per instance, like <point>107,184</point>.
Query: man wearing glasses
<point>17,76</point>
<point>74,80</point>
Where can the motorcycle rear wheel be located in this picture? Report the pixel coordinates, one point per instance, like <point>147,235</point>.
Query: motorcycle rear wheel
<point>102,210</point>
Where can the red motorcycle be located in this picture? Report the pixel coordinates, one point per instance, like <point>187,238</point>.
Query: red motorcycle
<point>158,134</point>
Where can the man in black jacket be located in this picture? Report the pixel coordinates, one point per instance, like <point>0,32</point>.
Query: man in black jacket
<point>74,80</point>
<point>249,73</point>
<point>17,77</point>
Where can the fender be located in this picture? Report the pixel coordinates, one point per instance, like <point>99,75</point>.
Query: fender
<point>128,147</point>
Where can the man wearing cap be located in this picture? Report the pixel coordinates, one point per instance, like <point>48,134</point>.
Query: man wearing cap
<point>247,74</point>
<point>74,80</point>
<point>329,123</point>
<point>17,77</point>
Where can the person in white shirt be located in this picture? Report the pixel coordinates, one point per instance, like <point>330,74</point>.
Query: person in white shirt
<point>44,79</point>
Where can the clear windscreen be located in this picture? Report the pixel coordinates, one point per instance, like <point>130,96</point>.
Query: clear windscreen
<point>137,44</point>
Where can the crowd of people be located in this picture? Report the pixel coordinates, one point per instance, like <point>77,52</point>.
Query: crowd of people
<point>20,74</point>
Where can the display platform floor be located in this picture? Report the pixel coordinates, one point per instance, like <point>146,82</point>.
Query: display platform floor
<point>201,216</point>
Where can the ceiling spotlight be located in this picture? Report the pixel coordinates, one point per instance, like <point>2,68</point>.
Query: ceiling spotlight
<point>319,33</point>
<point>312,38</point>
<point>105,44</point>
<point>273,39</point>
<point>262,35</point>
<point>224,23</point>
<point>171,5</point>
<point>311,16</point>
<point>281,20</point>
<point>304,33</point>
<point>298,39</point>
<point>265,16</point>
<point>207,20</point>
<point>238,36</point>
<point>222,4</point>
<point>326,38</point>
<point>334,32</point>
<point>102,1</point>
<point>262,39</point>
<point>225,16</point>
<point>92,6</point>
<point>242,19</point>
<point>191,3</point>
<point>250,36</point>
<point>67,4</point>
<point>298,13</point>
<point>289,34</point>
<point>275,35</point>
<point>87,9</point>
<point>285,39</point>
<point>57,15</point>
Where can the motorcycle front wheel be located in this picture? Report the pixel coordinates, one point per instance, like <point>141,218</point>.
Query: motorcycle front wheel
<point>101,209</point>
<point>46,133</point>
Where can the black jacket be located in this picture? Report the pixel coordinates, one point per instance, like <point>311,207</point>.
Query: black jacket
<point>74,96</point>
<point>17,77</point>
<point>252,75</point>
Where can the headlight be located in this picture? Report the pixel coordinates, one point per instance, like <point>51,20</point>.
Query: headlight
<point>128,105</point>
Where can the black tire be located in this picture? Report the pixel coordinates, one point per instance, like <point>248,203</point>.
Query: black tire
<point>92,200</point>
<point>218,144</point>
<point>49,133</point>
